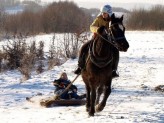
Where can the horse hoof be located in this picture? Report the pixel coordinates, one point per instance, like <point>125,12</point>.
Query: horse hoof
<point>91,114</point>
<point>99,108</point>
<point>96,108</point>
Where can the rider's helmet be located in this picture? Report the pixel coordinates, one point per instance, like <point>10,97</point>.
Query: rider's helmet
<point>106,9</point>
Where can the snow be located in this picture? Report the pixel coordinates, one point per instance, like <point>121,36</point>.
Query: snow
<point>14,10</point>
<point>133,99</point>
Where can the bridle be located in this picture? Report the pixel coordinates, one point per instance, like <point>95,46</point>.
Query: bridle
<point>110,36</point>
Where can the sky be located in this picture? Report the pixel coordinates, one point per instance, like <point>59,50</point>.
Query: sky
<point>132,100</point>
<point>115,1</point>
<point>127,4</point>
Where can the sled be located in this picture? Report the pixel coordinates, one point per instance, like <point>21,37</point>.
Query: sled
<point>62,102</point>
<point>51,102</point>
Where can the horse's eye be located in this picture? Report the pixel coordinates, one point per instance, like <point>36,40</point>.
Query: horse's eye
<point>110,24</point>
<point>121,27</point>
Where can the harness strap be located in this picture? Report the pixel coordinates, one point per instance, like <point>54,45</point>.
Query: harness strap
<point>115,39</point>
<point>111,42</point>
<point>91,56</point>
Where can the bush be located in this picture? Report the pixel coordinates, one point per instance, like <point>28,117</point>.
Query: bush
<point>146,19</point>
<point>14,51</point>
<point>57,17</point>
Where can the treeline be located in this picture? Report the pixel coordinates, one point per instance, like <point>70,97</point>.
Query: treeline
<point>67,17</point>
<point>57,17</point>
<point>141,19</point>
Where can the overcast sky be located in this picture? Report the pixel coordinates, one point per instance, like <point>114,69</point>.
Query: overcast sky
<point>116,1</point>
<point>127,4</point>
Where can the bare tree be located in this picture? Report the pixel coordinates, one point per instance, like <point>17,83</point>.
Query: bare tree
<point>57,17</point>
<point>26,65</point>
<point>72,43</point>
<point>2,19</point>
<point>28,61</point>
<point>54,54</point>
<point>40,57</point>
<point>141,19</point>
<point>1,58</point>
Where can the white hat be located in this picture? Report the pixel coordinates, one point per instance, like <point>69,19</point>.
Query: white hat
<point>106,9</point>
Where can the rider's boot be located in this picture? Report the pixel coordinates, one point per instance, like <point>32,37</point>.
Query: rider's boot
<point>78,70</point>
<point>115,63</point>
<point>115,74</point>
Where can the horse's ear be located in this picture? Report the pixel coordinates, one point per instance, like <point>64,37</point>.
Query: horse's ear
<point>113,15</point>
<point>122,17</point>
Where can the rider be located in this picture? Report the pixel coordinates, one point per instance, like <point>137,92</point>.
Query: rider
<point>102,19</point>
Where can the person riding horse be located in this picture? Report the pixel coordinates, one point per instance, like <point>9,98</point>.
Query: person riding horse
<point>102,20</point>
<point>97,74</point>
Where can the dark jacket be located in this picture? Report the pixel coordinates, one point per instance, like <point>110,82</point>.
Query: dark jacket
<point>62,84</point>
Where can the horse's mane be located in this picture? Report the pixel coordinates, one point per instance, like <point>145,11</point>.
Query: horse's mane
<point>100,51</point>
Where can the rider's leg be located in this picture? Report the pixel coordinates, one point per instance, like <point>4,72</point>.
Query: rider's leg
<point>115,63</point>
<point>82,55</point>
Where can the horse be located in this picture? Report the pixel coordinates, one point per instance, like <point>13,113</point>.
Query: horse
<point>97,74</point>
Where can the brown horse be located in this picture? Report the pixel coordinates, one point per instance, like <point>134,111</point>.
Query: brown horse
<point>97,75</point>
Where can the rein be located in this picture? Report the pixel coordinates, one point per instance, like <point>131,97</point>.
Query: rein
<point>102,62</point>
<point>111,36</point>
<point>98,61</point>
<point>109,41</point>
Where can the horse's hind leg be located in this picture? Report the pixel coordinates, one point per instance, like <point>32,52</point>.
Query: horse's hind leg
<point>99,92</point>
<point>107,91</point>
<point>92,103</point>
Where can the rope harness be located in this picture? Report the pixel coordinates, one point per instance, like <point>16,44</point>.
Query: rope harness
<point>102,62</point>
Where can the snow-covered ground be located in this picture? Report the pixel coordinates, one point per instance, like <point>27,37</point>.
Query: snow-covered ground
<point>133,99</point>
<point>14,10</point>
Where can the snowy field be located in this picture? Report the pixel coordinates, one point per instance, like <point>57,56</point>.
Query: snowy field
<point>133,98</point>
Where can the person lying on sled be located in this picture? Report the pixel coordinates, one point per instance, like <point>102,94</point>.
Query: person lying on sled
<point>61,84</point>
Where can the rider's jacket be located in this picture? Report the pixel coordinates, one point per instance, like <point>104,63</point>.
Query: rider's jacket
<point>98,22</point>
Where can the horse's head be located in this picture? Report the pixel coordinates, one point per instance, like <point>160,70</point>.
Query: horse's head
<point>117,33</point>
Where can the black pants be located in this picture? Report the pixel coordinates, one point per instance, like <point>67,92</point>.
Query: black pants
<point>115,59</point>
<point>82,54</point>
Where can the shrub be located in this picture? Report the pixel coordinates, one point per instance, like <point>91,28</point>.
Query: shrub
<point>142,19</point>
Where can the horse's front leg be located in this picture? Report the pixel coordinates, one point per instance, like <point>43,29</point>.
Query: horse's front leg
<point>107,91</point>
<point>87,98</point>
<point>92,103</point>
